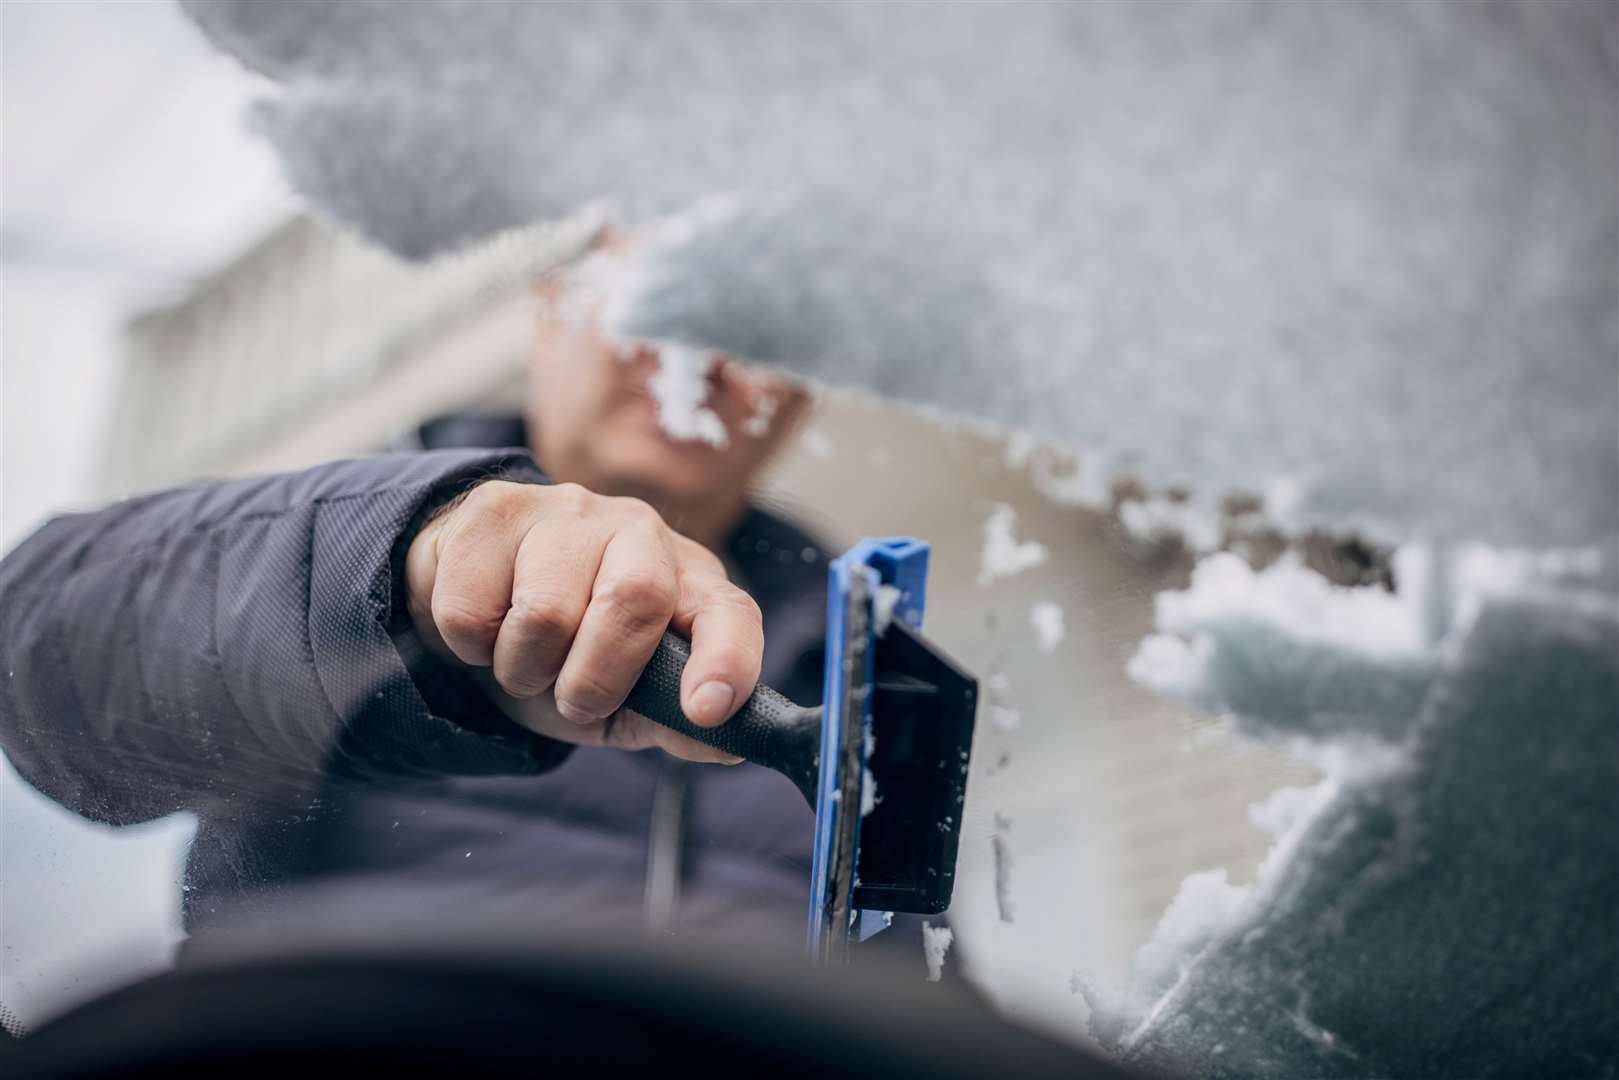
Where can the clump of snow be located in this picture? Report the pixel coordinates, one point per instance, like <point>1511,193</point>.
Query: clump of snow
<point>1159,517</point>
<point>1203,907</point>
<point>1003,554</point>
<point>882,607</point>
<point>598,284</point>
<point>1063,478</point>
<point>681,386</point>
<point>935,943</point>
<point>1286,648</point>
<point>868,783</point>
<point>1047,619</point>
<point>1088,483</point>
<point>868,792</point>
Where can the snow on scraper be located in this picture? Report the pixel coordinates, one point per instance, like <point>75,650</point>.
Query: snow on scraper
<point>883,762</point>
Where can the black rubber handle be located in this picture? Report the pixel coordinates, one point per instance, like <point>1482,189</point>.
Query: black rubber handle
<point>768,730</point>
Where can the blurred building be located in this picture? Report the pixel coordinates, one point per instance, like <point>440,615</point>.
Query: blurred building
<point>1083,817</point>
<point>312,345</point>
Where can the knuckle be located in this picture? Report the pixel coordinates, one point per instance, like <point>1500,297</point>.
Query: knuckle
<point>460,621</point>
<point>522,682</point>
<point>638,511</point>
<point>738,659</point>
<point>496,497</point>
<point>487,508</point>
<point>587,693</point>
<point>569,498</point>
<point>693,552</point>
<point>739,602</point>
<point>542,618</point>
<point>639,597</point>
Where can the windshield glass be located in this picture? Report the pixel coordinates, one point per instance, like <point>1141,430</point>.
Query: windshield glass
<point>1247,371</point>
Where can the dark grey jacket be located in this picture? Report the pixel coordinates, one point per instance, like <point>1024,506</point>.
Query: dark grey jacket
<point>239,650</point>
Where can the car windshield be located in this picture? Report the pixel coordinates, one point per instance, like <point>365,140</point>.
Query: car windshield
<point>1229,394</point>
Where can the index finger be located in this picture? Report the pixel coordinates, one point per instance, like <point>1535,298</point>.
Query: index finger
<point>726,633</point>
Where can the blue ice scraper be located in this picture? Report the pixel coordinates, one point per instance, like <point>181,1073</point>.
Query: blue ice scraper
<point>883,761</point>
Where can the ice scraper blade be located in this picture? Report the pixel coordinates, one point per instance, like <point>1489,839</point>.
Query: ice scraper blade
<point>884,761</point>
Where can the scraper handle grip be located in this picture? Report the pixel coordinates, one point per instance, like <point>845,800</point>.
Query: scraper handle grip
<point>767,730</point>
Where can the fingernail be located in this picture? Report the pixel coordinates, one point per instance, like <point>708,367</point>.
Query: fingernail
<point>711,702</point>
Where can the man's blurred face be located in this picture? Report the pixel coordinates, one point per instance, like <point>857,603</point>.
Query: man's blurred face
<point>595,421</point>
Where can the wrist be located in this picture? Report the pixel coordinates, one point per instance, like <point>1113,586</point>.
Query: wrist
<point>420,571</point>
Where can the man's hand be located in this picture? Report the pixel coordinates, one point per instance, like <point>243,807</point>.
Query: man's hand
<point>553,588</point>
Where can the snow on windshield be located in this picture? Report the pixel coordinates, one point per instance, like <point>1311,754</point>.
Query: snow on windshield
<point>1357,263</point>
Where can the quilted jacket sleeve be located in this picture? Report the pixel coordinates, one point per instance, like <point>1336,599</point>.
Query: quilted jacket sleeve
<point>224,647</point>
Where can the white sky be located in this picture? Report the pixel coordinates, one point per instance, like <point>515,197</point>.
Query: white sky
<point>126,174</point>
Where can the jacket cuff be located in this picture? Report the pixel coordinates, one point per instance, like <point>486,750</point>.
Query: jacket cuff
<point>449,694</point>
<point>454,699</point>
